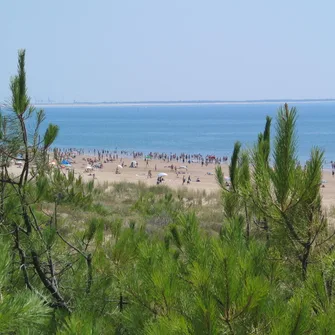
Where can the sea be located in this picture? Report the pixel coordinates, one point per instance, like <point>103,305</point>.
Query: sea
<point>194,128</point>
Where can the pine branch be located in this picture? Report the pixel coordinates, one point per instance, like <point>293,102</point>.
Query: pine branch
<point>48,285</point>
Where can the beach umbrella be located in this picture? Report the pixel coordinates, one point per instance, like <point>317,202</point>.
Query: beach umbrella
<point>120,166</point>
<point>227,178</point>
<point>324,181</point>
<point>183,167</point>
<point>89,167</point>
<point>64,162</point>
<point>162,174</point>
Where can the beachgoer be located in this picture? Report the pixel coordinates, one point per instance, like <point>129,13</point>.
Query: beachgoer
<point>184,179</point>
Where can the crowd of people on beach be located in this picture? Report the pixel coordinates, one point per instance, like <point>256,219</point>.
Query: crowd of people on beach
<point>96,158</point>
<point>189,158</point>
<point>110,156</point>
<point>178,163</point>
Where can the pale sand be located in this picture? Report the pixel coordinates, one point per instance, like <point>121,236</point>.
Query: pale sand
<point>207,182</point>
<point>107,173</point>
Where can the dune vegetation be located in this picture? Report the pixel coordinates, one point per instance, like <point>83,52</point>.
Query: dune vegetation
<point>78,258</point>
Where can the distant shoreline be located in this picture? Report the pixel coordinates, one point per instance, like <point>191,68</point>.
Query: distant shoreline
<point>181,103</point>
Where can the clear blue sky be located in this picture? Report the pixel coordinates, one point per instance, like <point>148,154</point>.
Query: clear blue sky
<point>126,50</point>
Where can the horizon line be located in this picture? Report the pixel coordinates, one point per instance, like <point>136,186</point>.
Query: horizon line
<point>176,102</point>
<point>181,102</point>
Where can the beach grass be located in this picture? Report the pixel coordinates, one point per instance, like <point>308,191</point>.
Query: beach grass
<point>151,206</point>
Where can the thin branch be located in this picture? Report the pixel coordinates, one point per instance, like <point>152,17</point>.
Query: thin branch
<point>71,245</point>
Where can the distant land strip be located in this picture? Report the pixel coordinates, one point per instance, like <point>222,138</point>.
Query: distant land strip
<point>176,102</point>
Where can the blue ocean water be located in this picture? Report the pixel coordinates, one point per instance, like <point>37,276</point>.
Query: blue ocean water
<point>199,128</point>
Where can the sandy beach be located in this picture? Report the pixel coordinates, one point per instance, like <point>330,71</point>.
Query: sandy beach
<point>173,179</point>
<point>140,173</point>
<point>206,174</point>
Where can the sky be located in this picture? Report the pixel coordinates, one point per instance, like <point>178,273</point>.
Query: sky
<point>150,50</point>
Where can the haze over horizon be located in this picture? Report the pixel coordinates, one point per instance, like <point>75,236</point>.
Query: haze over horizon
<point>180,50</point>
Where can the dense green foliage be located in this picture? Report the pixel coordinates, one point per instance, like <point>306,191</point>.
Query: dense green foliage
<point>77,258</point>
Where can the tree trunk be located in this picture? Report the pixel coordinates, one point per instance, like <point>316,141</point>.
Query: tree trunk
<point>304,261</point>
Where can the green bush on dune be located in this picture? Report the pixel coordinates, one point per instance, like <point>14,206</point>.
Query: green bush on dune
<point>79,258</point>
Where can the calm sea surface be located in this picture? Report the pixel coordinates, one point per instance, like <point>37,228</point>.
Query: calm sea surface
<point>205,129</point>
